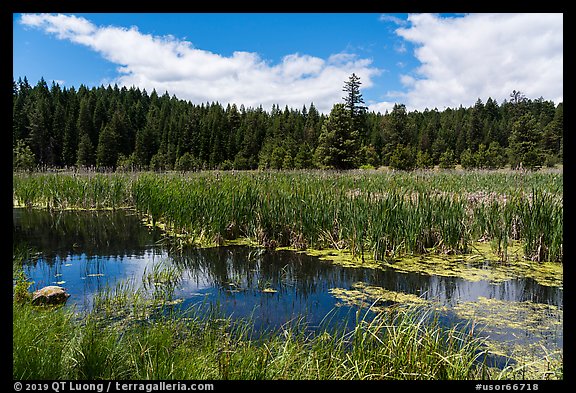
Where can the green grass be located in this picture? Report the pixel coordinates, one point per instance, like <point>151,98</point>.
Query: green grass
<point>53,344</point>
<point>370,213</point>
<point>134,333</point>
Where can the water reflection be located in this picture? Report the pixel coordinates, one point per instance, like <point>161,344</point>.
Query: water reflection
<point>94,233</point>
<point>87,251</point>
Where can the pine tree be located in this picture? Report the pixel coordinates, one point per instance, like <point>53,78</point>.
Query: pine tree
<point>108,142</point>
<point>22,157</point>
<point>39,128</point>
<point>475,129</point>
<point>85,155</point>
<point>395,130</point>
<point>553,133</point>
<point>338,143</point>
<point>353,98</point>
<point>147,138</point>
<point>57,138</point>
<point>353,102</point>
<point>20,104</point>
<point>70,137</point>
<point>84,124</point>
<point>525,143</point>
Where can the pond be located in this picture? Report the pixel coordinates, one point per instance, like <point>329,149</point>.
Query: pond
<point>86,252</point>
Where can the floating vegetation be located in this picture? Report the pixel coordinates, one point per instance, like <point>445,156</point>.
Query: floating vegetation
<point>528,317</point>
<point>524,337</point>
<point>480,265</point>
<point>474,268</point>
<point>269,290</point>
<point>517,331</point>
<point>373,297</point>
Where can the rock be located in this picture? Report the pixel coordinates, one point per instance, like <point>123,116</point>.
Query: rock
<point>51,295</point>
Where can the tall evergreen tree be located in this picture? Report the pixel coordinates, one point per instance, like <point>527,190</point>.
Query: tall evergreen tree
<point>353,102</point>
<point>147,138</point>
<point>85,155</point>
<point>84,123</point>
<point>553,133</point>
<point>353,99</point>
<point>21,103</point>
<point>70,137</point>
<point>338,143</point>
<point>39,129</point>
<point>475,129</point>
<point>525,142</point>
<point>108,142</point>
<point>395,131</point>
<point>56,140</point>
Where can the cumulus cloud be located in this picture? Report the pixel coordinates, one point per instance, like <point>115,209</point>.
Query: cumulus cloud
<point>483,55</point>
<point>166,63</point>
<point>382,106</point>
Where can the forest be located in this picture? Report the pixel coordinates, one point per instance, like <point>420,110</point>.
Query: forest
<point>124,129</point>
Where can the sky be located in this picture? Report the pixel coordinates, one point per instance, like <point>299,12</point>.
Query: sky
<point>419,60</point>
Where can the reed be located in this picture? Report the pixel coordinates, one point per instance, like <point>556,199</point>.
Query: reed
<point>55,345</point>
<point>376,214</point>
<point>132,334</point>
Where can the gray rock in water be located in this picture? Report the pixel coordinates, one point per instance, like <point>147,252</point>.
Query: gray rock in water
<point>51,294</point>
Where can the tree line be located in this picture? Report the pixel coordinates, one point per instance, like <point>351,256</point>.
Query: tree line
<point>121,128</point>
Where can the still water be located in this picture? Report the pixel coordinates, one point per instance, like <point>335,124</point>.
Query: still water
<point>86,252</point>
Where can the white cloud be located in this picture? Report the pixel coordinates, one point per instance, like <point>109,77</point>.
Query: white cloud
<point>65,27</point>
<point>394,19</point>
<point>483,55</point>
<point>381,106</point>
<point>169,64</point>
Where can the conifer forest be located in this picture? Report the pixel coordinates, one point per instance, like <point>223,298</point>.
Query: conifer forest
<point>119,128</point>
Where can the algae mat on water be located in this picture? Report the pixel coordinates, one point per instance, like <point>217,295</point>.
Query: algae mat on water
<point>529,335</point>
<point>373,297</point>
<point>481,264</point>
<point>522,338</point>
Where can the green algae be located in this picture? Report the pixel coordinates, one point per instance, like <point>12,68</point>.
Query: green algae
<point>502,315</point>
<point>522,332</point>
<point>481,264</point>
<point>373,297</point>
<point>517,333</point>
<point>474,268</point>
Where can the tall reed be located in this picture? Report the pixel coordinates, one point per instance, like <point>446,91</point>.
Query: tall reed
<point>399,345</point>
<point>375,214</point>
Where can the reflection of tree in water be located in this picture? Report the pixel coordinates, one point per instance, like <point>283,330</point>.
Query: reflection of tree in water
<point>249,268</point>
<point>118,233</point>
<point>58,234</point>
<point>99,241</point>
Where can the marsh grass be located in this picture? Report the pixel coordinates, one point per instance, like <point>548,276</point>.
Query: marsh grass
<point>377,214</point>
<point>398,345</point>
<point>133,332</point>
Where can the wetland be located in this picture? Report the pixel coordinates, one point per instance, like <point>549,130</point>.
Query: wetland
<point>499,296</point>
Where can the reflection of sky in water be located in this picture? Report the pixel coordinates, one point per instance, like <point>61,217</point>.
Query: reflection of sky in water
<point>84,276</point>
<point>81,252</point>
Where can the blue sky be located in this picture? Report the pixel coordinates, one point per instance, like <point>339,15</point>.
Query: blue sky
<point>421,60</point>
